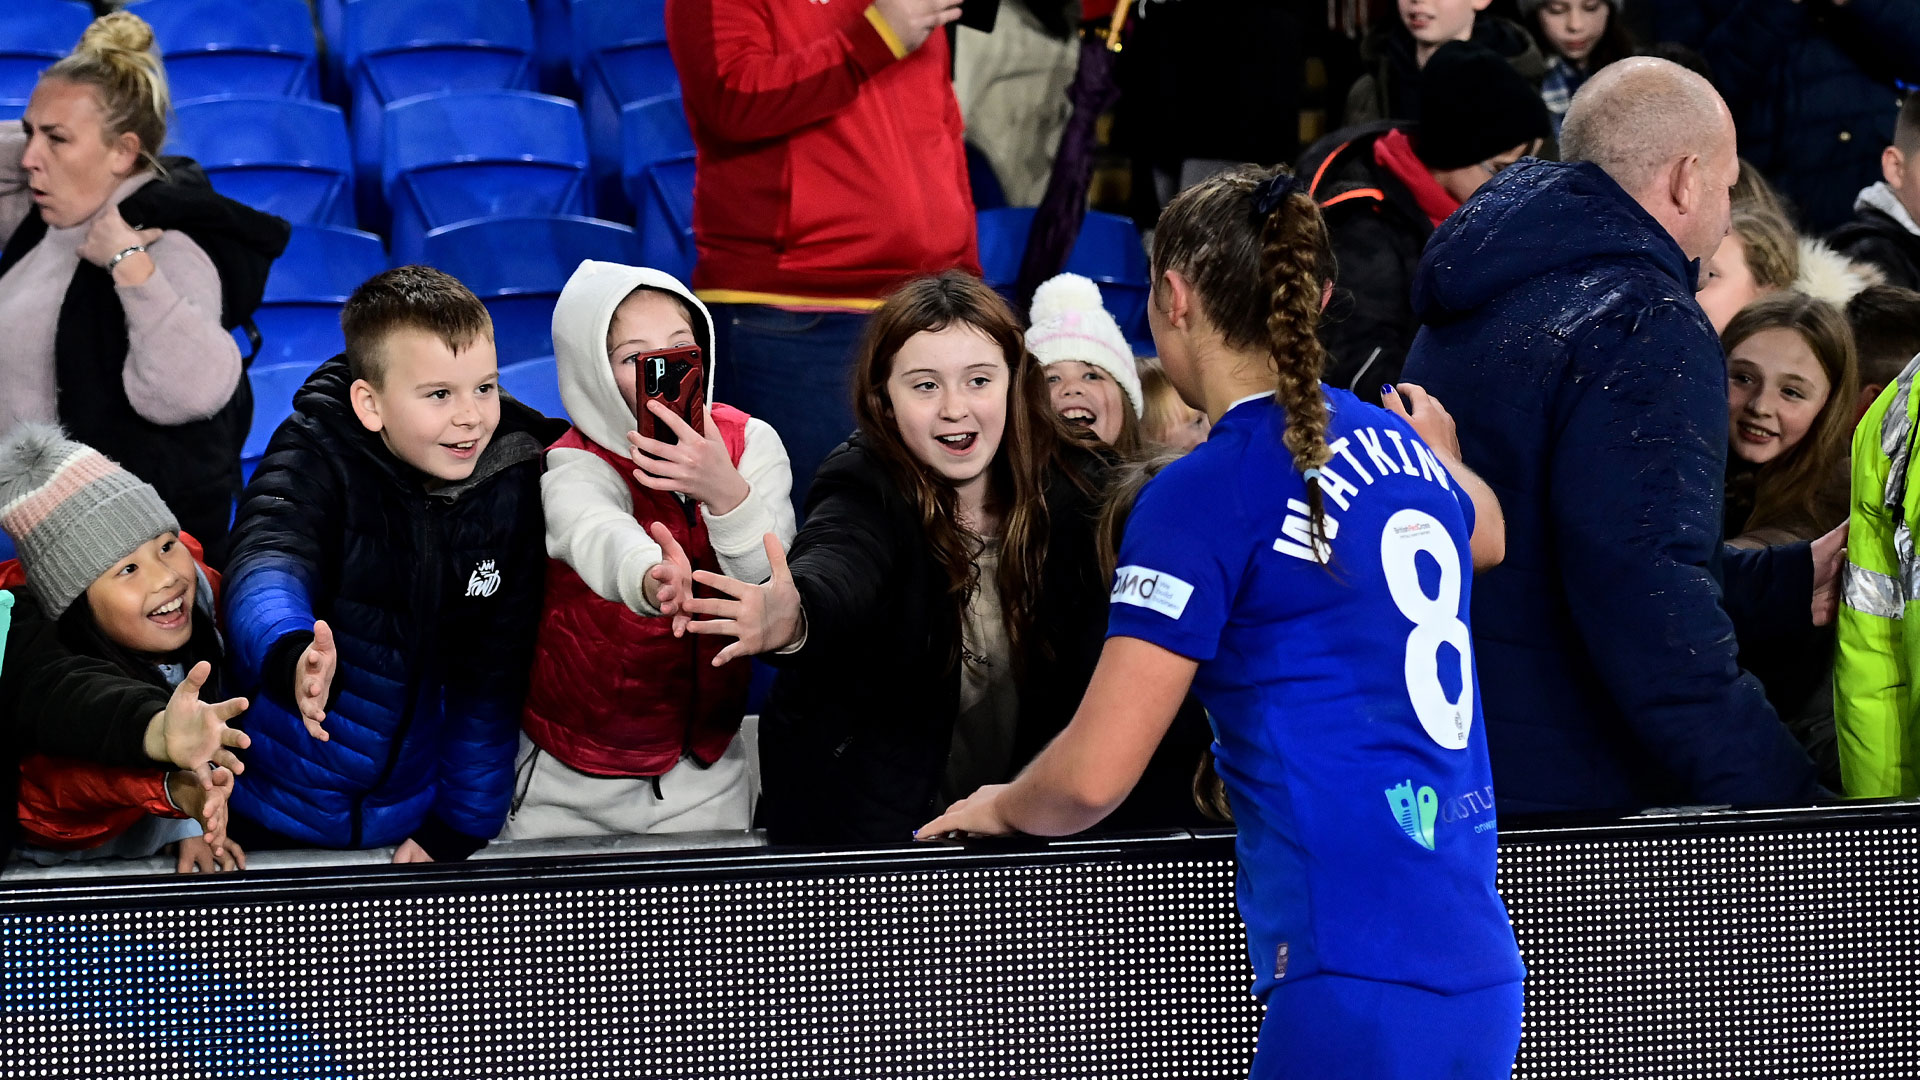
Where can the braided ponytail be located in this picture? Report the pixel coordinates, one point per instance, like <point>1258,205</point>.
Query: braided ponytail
<point>1291,239</point>
<point>1252,243</point>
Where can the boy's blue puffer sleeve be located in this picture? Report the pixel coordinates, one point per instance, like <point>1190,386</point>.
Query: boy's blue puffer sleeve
<point>287,519</point>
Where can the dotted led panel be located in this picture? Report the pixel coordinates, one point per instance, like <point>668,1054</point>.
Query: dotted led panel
<point>1660,954</point>
<point>1787,949</point>
<point>1067,970</point>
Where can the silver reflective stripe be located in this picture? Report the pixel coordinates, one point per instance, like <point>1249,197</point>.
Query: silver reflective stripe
<point>1895,427</point>
<point>1873,593</point>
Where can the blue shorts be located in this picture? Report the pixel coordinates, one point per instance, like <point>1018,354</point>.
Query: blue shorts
<point>1331,1027</point>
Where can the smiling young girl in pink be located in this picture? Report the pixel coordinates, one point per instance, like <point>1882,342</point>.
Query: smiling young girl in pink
<point>1791,378</point>
<point>943,607</point>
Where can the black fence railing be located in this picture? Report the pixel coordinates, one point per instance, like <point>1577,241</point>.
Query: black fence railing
<point>1754,944</point>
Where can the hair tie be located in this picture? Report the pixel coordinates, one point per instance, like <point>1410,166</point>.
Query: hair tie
<point>1271,192</point>
<point>1311,476</point>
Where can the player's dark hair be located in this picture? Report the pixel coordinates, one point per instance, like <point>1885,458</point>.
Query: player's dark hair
<point>1258,277</point>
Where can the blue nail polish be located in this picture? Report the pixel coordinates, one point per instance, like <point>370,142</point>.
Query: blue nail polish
<point>1385,389</point>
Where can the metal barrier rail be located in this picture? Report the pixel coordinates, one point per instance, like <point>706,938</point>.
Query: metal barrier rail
<point>1751,944</point>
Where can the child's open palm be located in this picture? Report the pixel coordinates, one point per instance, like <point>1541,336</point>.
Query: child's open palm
<point>762,618</point>
<point>669,583</point>
<point>193,734</point>
<point>313,680</point>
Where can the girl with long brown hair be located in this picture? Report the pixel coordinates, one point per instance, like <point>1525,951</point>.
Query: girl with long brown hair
<point>942,608</point>
<point>1306,572</point>
<point>1792,377</point>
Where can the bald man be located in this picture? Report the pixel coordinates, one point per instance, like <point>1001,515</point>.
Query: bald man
<point>1558,313</point>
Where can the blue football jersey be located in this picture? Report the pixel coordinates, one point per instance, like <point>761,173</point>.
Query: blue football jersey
<point>1338,672</point>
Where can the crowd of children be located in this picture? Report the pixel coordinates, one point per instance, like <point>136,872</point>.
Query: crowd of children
<point>458,620</point>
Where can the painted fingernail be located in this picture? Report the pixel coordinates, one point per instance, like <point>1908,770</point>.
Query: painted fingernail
<point>1385,389</point>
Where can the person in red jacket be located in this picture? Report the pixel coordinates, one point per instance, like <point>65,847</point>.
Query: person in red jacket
<point>628,725</point>
<point>831,170</point>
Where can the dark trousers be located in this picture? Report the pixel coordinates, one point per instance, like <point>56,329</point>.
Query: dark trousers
<point>793,370</point>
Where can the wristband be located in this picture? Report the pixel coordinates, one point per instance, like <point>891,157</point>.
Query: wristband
<point>115,261</point>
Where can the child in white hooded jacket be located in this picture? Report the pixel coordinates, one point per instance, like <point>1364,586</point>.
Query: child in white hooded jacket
<point>629,728</point>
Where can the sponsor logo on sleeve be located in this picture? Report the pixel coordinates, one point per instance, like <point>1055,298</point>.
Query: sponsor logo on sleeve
<point>1154,590</point>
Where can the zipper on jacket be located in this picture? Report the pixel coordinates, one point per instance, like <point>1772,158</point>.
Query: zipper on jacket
<point>429,559</point>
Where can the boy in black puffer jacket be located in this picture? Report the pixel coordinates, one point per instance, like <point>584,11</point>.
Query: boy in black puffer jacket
<point>385,585</point>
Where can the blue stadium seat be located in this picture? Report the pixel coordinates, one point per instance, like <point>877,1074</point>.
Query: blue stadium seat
<point>399,49</point>
<point>1003,240</point>
<point>33,34</point>
<point>219,47</point>
<point>535,383</point>
<point>620,56</point>
<point>657,167</point>
<point>518,265</point>
<point>286,156</point>
<point>299,317</point>
<point>6,547</point>
<point>1108,250</point>
<point>12,109</point>
<point>273,389</point>
<point>455,157</point>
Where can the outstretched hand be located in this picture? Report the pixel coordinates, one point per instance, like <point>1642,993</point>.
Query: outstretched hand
<point>193,735</point>
<point>1829,574</point>
<point>669,582</point>
<point>313,680</point>
<point>207,805</point>
<point>762,618</point>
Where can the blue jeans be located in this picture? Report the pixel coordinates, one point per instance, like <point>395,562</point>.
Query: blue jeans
<point>791,369</point>
<point>1332,1027</point>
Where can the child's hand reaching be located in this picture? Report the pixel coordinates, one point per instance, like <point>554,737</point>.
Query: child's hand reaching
<point>698,466</point>
<point>313,680</point>
<point>764,618</point>
<point>207,805</point>
<point>196,856</point>
<point>669,583</point>
<point>193,734</point>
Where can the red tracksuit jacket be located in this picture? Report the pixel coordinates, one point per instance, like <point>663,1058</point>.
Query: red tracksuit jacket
<point>829,166</point>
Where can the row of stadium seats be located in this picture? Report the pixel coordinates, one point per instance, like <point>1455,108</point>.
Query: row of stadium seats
<point>450,157</point>
<point>385,51</point>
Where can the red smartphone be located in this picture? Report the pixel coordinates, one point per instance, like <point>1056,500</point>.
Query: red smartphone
<point>676,378</point>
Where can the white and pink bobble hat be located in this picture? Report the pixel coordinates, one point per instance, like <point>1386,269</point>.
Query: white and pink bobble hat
<point>1069,323</point>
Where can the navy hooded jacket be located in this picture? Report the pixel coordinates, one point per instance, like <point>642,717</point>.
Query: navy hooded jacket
<point>433,599</point>
<point>1590,393</point>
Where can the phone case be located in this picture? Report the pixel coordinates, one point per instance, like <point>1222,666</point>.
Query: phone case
<point>676,379</point>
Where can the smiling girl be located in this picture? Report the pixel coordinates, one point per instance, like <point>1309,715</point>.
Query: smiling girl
<point>1091,376</point>
<point>1791,379</point>
<point>1579,37</point>
<point>943,607</point>
<point>104,559</point>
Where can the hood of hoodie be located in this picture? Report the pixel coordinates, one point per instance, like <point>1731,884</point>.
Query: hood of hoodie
<point>1516,229</point>
<point>580,321</point>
